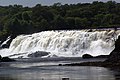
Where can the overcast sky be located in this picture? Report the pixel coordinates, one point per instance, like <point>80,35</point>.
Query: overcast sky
<point>45,2</point>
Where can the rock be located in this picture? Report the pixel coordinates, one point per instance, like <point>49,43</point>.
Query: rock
<point>38,54</point>
<point>6,59</point>
<point>20,57</point>
<point>60,65</point>
<point>53,56</point>
<point>102,56</point>
<point>0,57</point>
<point>115,54</point>
<point>114,57</point>
<point>90,30</point>
<point>7,44</point>
<point>65,78</point>
<point>86,56</point>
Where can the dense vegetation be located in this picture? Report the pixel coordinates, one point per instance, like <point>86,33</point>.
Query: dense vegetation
<point>16,19</point>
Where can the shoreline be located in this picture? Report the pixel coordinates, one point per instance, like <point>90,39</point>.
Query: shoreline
<point>72,59</point>
<point>115,66</point>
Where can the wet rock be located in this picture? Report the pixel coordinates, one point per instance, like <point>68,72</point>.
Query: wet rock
<point>90,30</point>
<point>53,56</point>
<point>7,44</point>
<point>102,56</point>
<point>6,59</point>
<point>86,56</point>
<point>115,54</point>
<point>65,78</point>
<point>0,58</point>
<point>38,54</point>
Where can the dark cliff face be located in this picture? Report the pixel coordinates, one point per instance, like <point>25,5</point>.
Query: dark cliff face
<point>115,54</point>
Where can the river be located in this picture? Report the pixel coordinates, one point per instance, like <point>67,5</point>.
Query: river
<point>48,70</point>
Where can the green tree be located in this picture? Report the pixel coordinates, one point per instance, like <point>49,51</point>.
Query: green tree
<point>44,24</point>
<point>59,22</point>
<point>98,20</point>
<point>26,15</point>
<point>81,23</point>
<point>70,21</point>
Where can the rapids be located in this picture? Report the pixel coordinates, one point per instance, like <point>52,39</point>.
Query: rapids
<point>73,43</point>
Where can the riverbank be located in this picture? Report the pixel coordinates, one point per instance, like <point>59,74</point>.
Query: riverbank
<point>96,64</point>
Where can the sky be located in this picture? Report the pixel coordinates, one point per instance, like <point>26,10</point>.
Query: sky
<point>31,3</point>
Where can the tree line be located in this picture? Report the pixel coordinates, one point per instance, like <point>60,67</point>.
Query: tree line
<point>16,19</point>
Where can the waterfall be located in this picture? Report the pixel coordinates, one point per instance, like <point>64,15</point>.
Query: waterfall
<point>64,43</point>
<point>5,42</point>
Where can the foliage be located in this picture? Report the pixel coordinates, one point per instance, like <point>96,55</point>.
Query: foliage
<point>16,19</point>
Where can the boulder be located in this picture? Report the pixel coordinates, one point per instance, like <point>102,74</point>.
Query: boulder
<point>0,57</point>
<point>115,54</point>
<point>6,59</point>
<point>38,54</point>
<point>86,56</point>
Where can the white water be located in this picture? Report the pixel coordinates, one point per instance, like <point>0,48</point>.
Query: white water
<point>5,42</point>
<point>64,43</point>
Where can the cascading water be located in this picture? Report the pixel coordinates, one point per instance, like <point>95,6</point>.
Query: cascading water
<point>5,42</point>
<point>64,43</point>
